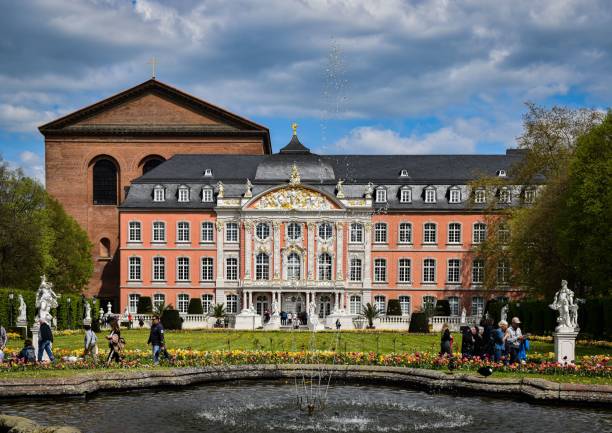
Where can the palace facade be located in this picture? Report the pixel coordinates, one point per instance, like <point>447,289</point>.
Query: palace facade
<point>296,227</point>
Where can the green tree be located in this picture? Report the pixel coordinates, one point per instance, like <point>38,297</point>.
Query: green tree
<point>370,312</point>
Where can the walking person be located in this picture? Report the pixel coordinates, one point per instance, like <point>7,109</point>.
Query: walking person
<point>338,324</point>
<point>90,344</point>
<point>45,340</point>
<point>3,341</point>
<point>446,342</point>
<point>115,343</point>
<point>514,337</point>
<point>156,338</point>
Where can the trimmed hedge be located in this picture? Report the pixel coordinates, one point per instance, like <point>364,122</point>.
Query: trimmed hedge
<point>195,306</point>
<point>394,308</point>
<point>442,308</point>
<point>145,306</point>
<point>493,309</point>
<point>171,319</point>
<point>419,323</point>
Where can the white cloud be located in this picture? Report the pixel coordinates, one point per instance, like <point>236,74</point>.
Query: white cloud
<point>20,118</point>
<point>32,164</point>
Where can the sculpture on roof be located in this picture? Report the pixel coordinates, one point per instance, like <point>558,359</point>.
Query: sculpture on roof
<point>221,189</point>
<point>369,190</point>
<point>248,193</point>
<point>295,175</point>
<point>340,189</point>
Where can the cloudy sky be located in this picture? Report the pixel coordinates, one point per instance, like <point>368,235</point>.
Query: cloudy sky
<point>370,76</point>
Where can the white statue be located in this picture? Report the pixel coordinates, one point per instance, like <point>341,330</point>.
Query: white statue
<point>504,313</point>
<point>109,309</point>
<point>313,318</point>
<point>567,306</point>
<point>126,313</point>
<point>22,311</point>
<point>87,311</point>
<point>275,308</point>
<point>101,312</point>
<point>369,190</point>
<point>340,189</point>
<point>249,189</point>
<point>45,300</point>
<point>220,189</point>
<point>463,315</point>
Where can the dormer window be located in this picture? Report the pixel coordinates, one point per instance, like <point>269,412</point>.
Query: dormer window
<point>480,196</point>
<point>505,196</point>
<point>454,195</point>
<point>183,194</point>
<point>404,173</point>
<point>430,195</point>
<point>381,195</point>
<point>208,172</point>
<point>207,194</point>
<point>529,195</point>
<point>405,195</point>
<point>159,193</point>
<point>501,173</point>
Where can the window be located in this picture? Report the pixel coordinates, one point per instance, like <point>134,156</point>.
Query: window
<point>159,193</point>
<point>231,232</point>
<point>429,303</point>
<point>206,272</point>
<point>207,303</point>
<point>503,272</point>
<point>294,231</point>
<point>182,303</point>
<point>183,194</point>
<point>430,195</point>
<point>480,196</point>
<point>293,266</point>
<point>503,234</point>
<point>380,270</point>
<point>208,172</point>
<point>381,195</point>
<point>262,267</point>
<point>380,303</point>
<point>454,195</point>
<point>158,300</point>
<point>355,304</point>
<point>207,194</point>
<point>134,232</point>
<point>159,269</point>
<point>454,271</point>
<point>501,173</point>
<point>231,268</point>
<point>404,270</point>
<point>325,231</point>
<point>480,233</point>
<point>477,306</point>
<point>454,233</point>
<point>231,304</point>
<point>207,231</point>
<point>355,269</point>
<point>380,233</point>
<point>104,182</point>
<point>134,269</point>
<point>404,173</point>
<point>478,271</point>
<point>429,233</point>
<point>429,271</point>
<point>133,303</point>
<point>104,247</point>
<point>505,196</point>
<point>356,233</point>
<point>325,267</point>
<point>182,269</point>
<point>159,231</point>
<point>405,305</point>
<point>453,302</point>
<point>150,164</point>
<point>405,233</point>
<point>262,231</point>
<point>405,195</point>
<point>530,195</point>
<point>182,232</point>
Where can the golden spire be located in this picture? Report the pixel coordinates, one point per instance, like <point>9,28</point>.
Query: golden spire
<point>294,127</point>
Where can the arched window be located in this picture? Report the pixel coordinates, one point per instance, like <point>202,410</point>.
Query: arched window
<point>104,182</point>
<point>105,247</point>
<point>293,266</point>
<point>262,267</point>
<point>325,267</point>
<point>151,163</point>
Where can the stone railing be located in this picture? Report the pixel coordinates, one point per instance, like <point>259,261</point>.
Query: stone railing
<point>453,322</point>
<point>190,321</point>
<point>392,322</point>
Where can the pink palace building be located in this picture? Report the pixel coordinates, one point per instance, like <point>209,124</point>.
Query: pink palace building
<point>295,227</point>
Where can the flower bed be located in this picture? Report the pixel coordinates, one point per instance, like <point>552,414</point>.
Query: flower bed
<point>588,366</point>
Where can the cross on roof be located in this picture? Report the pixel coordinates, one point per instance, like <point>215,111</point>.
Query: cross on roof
<point>153,63</point>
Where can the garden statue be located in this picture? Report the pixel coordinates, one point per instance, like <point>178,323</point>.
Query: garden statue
<point>567,307</point>
<point>46,299</point>
<point>463,316</point>
<point>87,312</point>
<point>249,189</point>
<point>504,313</point>
<point>340,189</point>
<point>21,318</point>
<point>109,309</point>
<point>275,308</point>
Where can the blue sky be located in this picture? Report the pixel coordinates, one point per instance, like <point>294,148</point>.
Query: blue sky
<point>385,76</point>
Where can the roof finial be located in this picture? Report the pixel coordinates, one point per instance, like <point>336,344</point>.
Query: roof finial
<point>295,175</point>
<point>294,127</point>
<point>153,63</point>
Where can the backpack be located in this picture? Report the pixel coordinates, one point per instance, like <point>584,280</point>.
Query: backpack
<point>30,354</point>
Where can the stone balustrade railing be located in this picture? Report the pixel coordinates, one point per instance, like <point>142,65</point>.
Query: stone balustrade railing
<point>453,322</point>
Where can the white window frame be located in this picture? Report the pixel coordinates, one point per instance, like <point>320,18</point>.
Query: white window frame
<point>208,172</point>
<point>455,305</point>
<point>404,270</point>
<point>182,304</point>
<point>159,194</point>
<point>159,299</point>
<point>158,271</point>
<point>262,266</point>
<point>380,301</point>
<point>381,195</point>
<point>404,233</point>
<point>207,232</point>
<point>208,301</point>
<point>479,232</point>
<point>478,271</point>
<point>294,231</point>
<point>505,195</point>
<point>133,300</point>
<point>453,271</point>
<point>380,233</point>
<point>503,272</point>
<point>231,304</point>
<point>429,299</point>
<point>529,195</point>
<point>478,304</point>
<point>356,233</point>
<point>405,195</point>
<point>429,271</point>
<point>294,268</point>
<point>454,195</point>
<point>231,233</point>
<point>207,194</point>
<point>404,173</point>
<point>231,268</point>
<point>325,267</point>
<point>355,304</point>
<point>158,227</point>
<point>431,195</point>
<point>356,269</point>
<point>262,231</point>
<point>183,232</point>
<point>454,233</point>
<point>325,231</point>
<point>503,234</point>
<point>405,302</point>
<point>207,269</point>
<point>183,269</point>
<point>134,231</point>
<point>380,270</point>
<point>480,196</point>
<point>183,194</point>
<point>427,233</point>
<point>135,268</point>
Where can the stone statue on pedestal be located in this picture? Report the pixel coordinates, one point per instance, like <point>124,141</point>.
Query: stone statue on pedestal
<point>567,307</point>
<point>22,318</point>
<point>109,309</point>
<point>369,190</point>
<point>248,193</point>
<point>463,316</point>
<point>275,308</point>
<point>504,313</point>
<point>87,319</point>
<point>46,299</point>
<point>340,189</point>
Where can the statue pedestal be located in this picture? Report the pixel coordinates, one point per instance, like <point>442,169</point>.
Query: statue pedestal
<point>35,331</point>
<point>274,323</point>
<point>346,321</point>
<point>315,326</point>
<point>86,322</point>
<point>248,320</point>
<point>565,346</point>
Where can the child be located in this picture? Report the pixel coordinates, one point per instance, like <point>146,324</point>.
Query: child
<point>27,354</point>
<point>90,343</point>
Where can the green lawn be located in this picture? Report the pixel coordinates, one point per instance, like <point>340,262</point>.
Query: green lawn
<point>382,342</point>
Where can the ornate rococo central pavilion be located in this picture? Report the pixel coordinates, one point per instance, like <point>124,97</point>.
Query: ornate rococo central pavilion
<point>296,227</point>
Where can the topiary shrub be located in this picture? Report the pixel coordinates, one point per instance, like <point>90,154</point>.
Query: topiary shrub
<point>171,319</point>
<point>394,308</point>
<point>419,323</point>
<point>442,308</point>
<point>195,306</point>
<point>493,309</point>
<point>145,306</point>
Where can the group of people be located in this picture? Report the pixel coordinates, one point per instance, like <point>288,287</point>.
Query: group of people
<point>116,343</point>
<point>291,319</point>
<point>504,343</point>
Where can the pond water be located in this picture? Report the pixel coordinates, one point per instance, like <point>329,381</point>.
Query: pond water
<point>254,407</point>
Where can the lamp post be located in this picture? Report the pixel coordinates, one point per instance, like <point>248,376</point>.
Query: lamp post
<point>11,309</point>
<point>69,315</point>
